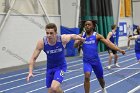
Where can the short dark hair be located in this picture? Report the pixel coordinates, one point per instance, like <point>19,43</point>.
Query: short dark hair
<point>94,22</point>
<point>51,26</point>
<point>113,26</point>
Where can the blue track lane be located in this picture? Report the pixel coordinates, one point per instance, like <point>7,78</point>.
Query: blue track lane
<point>118,80</point>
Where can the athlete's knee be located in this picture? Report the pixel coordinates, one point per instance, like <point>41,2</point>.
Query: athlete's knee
<point>111,56</point>
<point>54,89</point>
<point>50,90</point>
<point>101,80</point>
<point>87,77</point>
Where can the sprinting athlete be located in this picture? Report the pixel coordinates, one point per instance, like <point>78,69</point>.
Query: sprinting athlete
<point>53,45</point>
<point>91,60</point>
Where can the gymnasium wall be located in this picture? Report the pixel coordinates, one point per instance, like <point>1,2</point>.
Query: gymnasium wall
<point>2,5</point>
<point>33,6</point>
<point>25,26</point>
<point>118,19</point>
<point>136,13</point>
<point>115,7</point>
<point>22,30</point>
<point>19,37</point>
<point>68,12</point>
<point>124,39</point>
<point>134,19</point>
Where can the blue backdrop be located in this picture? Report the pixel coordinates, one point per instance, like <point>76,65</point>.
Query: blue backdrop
<point>70,50</point>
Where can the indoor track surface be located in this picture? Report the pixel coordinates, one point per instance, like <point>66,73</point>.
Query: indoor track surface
<point>118,80</point>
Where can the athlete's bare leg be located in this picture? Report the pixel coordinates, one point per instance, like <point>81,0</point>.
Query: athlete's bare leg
<point>87,82</point>
<point>55,87</point>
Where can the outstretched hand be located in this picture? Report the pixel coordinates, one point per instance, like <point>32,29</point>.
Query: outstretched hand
<point>82,39</point>
<point>28,77</point>
<point>122,51</point>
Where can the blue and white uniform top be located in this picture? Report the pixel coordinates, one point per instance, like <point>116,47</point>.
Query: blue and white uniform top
<point>113,37</point>
<point>137,44</point>
<point>55,54</point>
<point>90,49</point>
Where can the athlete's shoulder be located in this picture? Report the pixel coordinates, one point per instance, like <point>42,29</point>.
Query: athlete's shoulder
<point>40,44</point>
<point>110,33</point>
<point>99,36</point>
<point>40,41</point>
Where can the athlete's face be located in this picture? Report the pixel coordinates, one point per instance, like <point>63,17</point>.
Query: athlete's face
<point>51,34</point>
<point>115,28</point>
<point>89,26</point>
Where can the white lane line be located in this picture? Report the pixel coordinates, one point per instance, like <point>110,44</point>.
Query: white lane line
<point>28,72</point>
<point>119,81</point>
<point>21,85</point>
<point>34,76</point>
<point>127,68</point>
<point>45,68</point>
<point>18,79</point>
<point>104,76</point>
<point>17,74</point>
<point>122,61</point>
<point>134,90</point>
<point>45,73</point>
<point>83,75</point>
<point>36,89</point>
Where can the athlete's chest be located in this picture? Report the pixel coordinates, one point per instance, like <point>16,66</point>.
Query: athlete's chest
<point>90,40</point>
<point>54,49</point>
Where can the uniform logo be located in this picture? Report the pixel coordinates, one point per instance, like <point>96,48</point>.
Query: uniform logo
<point>54,51</point>
<point>62,73</point>
<point>89,42</point>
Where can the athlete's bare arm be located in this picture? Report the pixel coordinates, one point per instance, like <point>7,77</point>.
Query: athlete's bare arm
<point>131,38</point>
<point>109,44</point>
<point>109,36</point>
<point>35,54</point>
<point>77,43</point>
<point>68,37</point>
